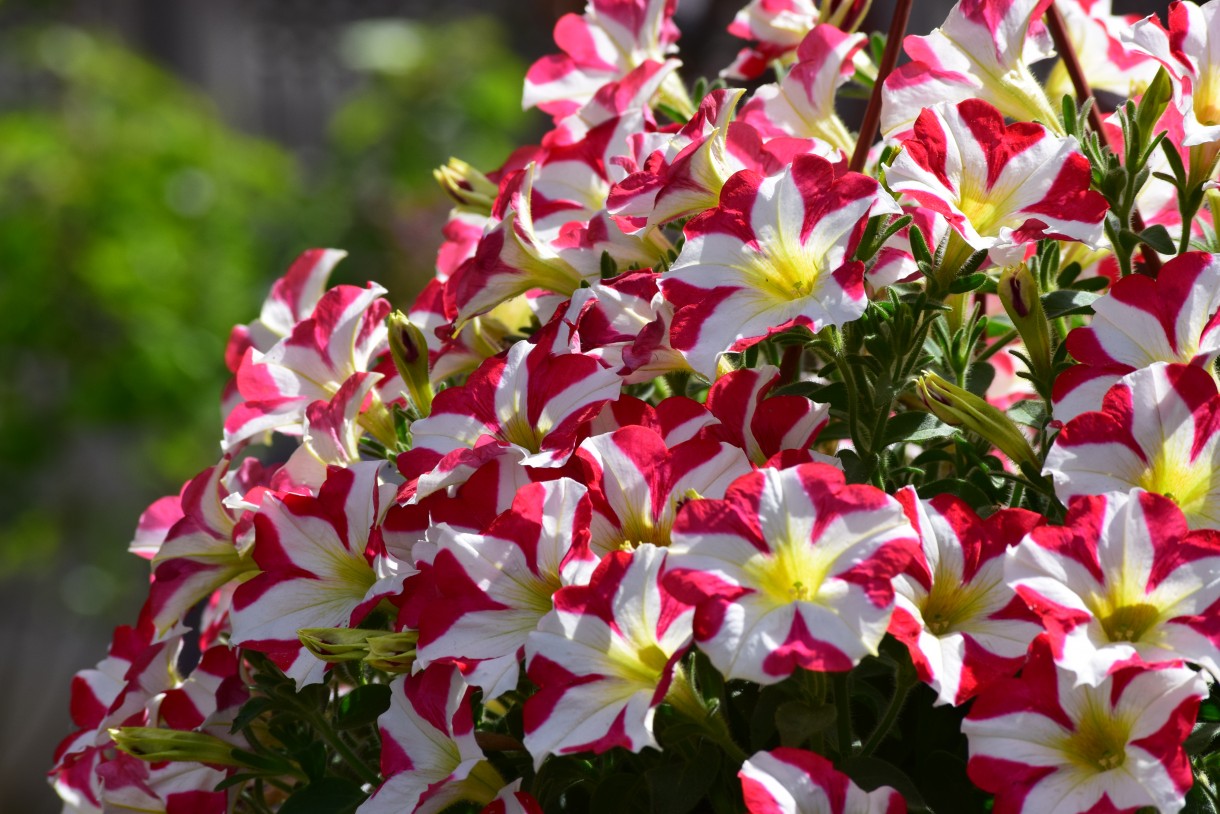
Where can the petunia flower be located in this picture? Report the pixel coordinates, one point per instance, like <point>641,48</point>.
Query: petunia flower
<point>792,569</point>
<point>429,757</point>
<point>776,253</point>
<point>636,482</point>
<point>490,589</point>
<point>794,781</point>
<point>321,565</point>
<point>603,659</point>
<point>1159,430</point>
<point>963,626</point>
<point>1044,745</point>
<point>983,51</point>
<point>999,185</point>
<point>1139,321</point>
<point>1123,581</point>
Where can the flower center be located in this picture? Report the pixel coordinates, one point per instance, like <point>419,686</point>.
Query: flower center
<point>1173,474</point>
<point>793,572</point>
<point>1129,623</point>
<point>783,275</point>
<point>517,430</point>
<point>951,605</point>
<point>1099,743</point>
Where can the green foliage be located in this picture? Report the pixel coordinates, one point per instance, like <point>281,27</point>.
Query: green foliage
<point>417,108</point>
<point>135,229</point>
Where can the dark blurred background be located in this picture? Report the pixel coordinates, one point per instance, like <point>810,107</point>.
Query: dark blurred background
<point>160,164</point>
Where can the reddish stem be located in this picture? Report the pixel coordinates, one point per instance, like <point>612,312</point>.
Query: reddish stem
<point>889,58</point>
<point>1054,22</point>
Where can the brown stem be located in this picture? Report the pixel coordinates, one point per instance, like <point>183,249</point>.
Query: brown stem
<point>1054,22</point>
<point>889,58</point>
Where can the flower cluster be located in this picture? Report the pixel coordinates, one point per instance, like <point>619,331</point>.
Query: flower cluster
<point>732,461</point>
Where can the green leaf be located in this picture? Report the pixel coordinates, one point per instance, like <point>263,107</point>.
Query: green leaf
<point>1198,801</point>
<point>919,247</point>
<point>970,282</point>
<point>954,486</point>
<point>871,773</point>
<point>677,788</point>
<point>330,795</point>
<point>979,377</point>
<point>1154,101</point>
<point>1062,303</point>
<point>362,705</point>
<point>797,721</point>
<point>1201,737</point>
<point>1158,238</point>
<point>833,393</point>
<point>1028,412</point>
<point>250,710</point>
<point>1091,283</point>
<point>916,427</point>
<point>621,791</point>
<point>313,759</point>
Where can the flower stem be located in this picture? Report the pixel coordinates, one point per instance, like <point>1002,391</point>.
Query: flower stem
<point>1067,53</point>
<point>889,58</point>
<point>904,681</point>
<point>842,689</point>
<point>687,701</point>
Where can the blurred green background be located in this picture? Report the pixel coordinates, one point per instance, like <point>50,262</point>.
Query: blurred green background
<point>138,224</point>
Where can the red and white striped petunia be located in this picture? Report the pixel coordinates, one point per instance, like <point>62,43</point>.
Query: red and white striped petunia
<point>636,482</point>
<point>982,51</point>
<point>802,104</point>
<point>291,300</point>
<point>625,322</point>
<point>776,28</point>
<point>604,44</point>
<point>675,419</point>
<point>603,659</point>
<point>1190,50</point>
<point>962,625</point>
<point>530,404</point>
<point>1044,745</point>
<point>1139,321</point>
<point>794,781</point>
<point>999,185</point>
<point>1107,62</point>
<point>117,692</point>
<point>321,566</point>
<point>1124,581</point>
<point>511,800</point>
<point>210,545</point>
<point>761,424</point>
<point>1158,430</point>
<point>342,337</point>
<point>429,757</point>
<point>492,588</point>
<point>792,569</point>
<point>776,253</point>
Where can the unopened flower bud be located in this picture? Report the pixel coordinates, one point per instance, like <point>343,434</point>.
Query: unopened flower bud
<point>1022,301</point>
<point>336,644</point>
<point>392,652</point>
<point>410,353</point>
<point>466,185</point>
<point>156,745</point>
<point>958,407</point>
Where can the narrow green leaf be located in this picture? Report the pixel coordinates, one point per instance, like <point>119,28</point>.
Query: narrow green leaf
<point>362,705</point>
<point>1061,303</point>
<point>330,795</point>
